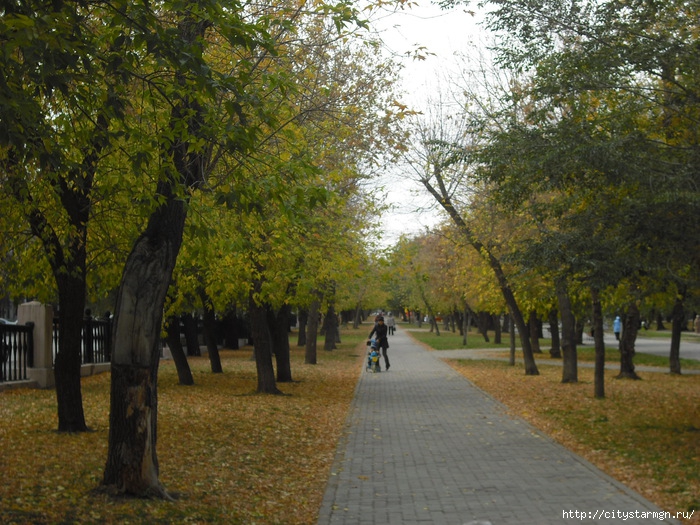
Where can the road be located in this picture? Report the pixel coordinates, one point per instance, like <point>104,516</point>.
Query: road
<point>656,346</point>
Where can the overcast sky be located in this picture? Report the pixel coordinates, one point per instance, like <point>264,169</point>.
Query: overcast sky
<point>443,34</point>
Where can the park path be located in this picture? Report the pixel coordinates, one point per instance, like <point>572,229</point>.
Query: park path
<point>423,445</point>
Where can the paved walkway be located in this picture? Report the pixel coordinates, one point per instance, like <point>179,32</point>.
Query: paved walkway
<point>423,445</point>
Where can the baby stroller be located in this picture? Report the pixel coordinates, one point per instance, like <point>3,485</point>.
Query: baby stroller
<point>373,356</point>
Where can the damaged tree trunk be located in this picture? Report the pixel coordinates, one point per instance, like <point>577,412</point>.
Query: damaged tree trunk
<point>132,463</point>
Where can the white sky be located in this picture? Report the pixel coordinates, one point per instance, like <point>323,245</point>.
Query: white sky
<point>444,34</point>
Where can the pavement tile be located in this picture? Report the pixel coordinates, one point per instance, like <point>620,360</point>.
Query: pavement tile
<point>423,445</point>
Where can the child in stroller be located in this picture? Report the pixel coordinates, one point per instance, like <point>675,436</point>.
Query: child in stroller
<point>373,356</point>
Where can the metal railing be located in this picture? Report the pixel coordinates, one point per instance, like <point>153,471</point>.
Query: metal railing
<point>96,344</point>
<point>16,351</point>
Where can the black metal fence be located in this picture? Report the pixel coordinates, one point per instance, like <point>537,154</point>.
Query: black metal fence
<point>16,351</point>
<point>96,344</point>
<point>17,346</point>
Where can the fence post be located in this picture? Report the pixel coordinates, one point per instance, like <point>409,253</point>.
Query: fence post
<point>42,317</point>
<point>88,339</point>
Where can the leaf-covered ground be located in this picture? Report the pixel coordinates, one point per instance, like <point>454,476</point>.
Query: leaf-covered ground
<point>227,454</point>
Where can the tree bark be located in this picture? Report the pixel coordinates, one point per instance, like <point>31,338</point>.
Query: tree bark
<point>553,318</point>
<point>358,316</point>
<point>676,329</point>
<point>67,259</point>
<point>262,342</point>
<point>172,328</point>
<point>331,331</point>
<point>189,324</point>
<point>496,329</point>
<point>279,327</point>
<point>483,320</point>
<point>511,329</point>
<point>303,320</point>
<point>231,329</point>
<point>209,321</point>
<point>568,328</point>
<point>630,327</point>
<point>466,318</point>
<point>660,321</point>
<point>534,333</point>
<point>598,337</point>
<point>69,399</point>
<point>310,355</point>
<point>132,463</point>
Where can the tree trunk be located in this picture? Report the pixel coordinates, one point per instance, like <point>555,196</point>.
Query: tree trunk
<point>189,324</point>
<point>262,342</point>
<point>676,329</point>
<point>66,253</point>
<point>483,321</point>
<point>511,329</point>
<point>279,326</point>
<point>433,323</point>
<point>209,321</point>
<point>310,357</point>
<point>660,321</point>
<point>506,323</point>
<point>579,332</point>
<point>568,328</point>
<point>132,463</point>
<point>303,321</point>
<point>553,318</point>
<point>69,399</point>
<point>184,374</point>
<point>599,372</point>
<point>331,331</point>
<point>358,315</point>
<point>630,327</point>
<point>534,333</point>
<point>231,329</point>
<point>497,329</point>
<point>466,319</point>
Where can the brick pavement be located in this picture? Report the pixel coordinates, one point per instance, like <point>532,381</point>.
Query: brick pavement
<point>423,445</point>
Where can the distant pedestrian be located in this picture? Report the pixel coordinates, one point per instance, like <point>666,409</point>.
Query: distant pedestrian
<point>391,323</point>
<point>617,327</point>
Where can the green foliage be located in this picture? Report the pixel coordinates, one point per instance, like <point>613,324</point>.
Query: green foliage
<point>595,141</point>
<point>454,341</point>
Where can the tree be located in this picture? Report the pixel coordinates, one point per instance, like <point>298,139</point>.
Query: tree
<point>63,100</point>
<point>443,169</point>
<point>192,89</point>
<point>622,76</point>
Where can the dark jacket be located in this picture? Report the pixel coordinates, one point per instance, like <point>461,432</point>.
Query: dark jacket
<point>381,330</point>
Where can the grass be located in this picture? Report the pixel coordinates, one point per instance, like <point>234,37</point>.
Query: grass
<point>645,433</point>
<point>586,353</point>
<point>229,455</point>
